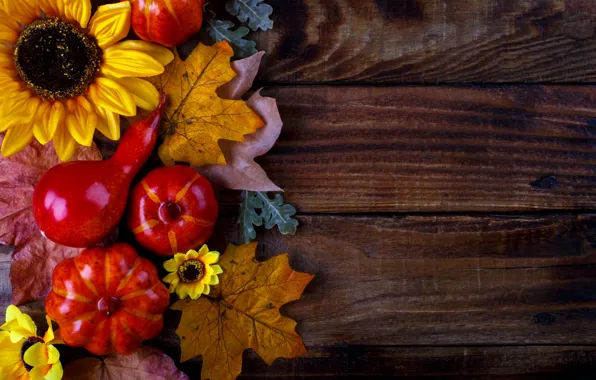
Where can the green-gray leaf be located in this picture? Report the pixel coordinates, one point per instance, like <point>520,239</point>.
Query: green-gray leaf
<point>222,30</point>
<point>276,213</point>
<point>249,217</point>
<point>254,11</point>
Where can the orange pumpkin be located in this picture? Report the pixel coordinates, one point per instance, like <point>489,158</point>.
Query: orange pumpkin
<point>107,300</point>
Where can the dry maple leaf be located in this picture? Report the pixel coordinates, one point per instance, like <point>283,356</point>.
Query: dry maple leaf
<point>34,256</point>
<point>146,363</point>
<point>242,312</point>
<point>242,172</point>
<point>196,118</point>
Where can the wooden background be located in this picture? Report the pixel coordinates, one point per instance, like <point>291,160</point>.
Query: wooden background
<point>441,155</point>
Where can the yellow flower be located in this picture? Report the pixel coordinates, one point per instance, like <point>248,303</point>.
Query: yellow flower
<point>64,73</point>
<point>24,355</point>
<point>193,272</point>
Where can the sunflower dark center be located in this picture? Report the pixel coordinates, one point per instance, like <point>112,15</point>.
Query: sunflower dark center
<point>191,271</point>
<point>56,59</point>
<point>28,343</point>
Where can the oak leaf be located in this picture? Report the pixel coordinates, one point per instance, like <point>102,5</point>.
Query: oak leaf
<point>34,256</point>
<point>223,31</point>
<point>196,118</point>
<point>255,12</point>
<point>242,312</point>
<point>241,171</point>
<point>146,363</point>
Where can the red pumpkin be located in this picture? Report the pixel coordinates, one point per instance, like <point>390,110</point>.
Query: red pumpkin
<point>167,22</point>
<point>107,300</point>
<point>172,210</point>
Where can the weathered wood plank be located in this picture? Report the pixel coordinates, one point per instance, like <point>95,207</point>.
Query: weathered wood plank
<point>430,41</point>
<point>388,149</point>
<point>543,362</point>
<point>444,280</point>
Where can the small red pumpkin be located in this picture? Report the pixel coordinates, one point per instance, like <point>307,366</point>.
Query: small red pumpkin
<point>167,22</point>
<point>107,300</point>
<point>172,210</point>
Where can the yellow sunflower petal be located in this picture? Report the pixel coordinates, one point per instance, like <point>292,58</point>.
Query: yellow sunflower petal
<point>18,321</point>
<point>6,57</point>
<point>182,291</point>
<point>55,373</point>
<point>143,92</point>
<point>81,121</point>
<point>79,11</point>
<point>16,139</point>
<point>204,250</point>
<point>18,109</point>
<point>64,144</point>
<point>39,372</point>
<point>49,335</point>
<point>211,257</point>
<point>192,254</point>
<point>50,8</point>
<point>206,289</point>
<point>36,355</point>
<point>216,269</point>
<point>162,54</point>
<point>22,11</point>
<point>42,130</point>
<point>53,354</point>
<point>170,277</point>
<point>179,258</point>
<point>12,313</point>
<point>196,291</point>
<point>129,63</point>
<point>214,280</point>
<point>171,265</point>
<point>108,124</point>
<point>110,23</point>
<point>108,94</point>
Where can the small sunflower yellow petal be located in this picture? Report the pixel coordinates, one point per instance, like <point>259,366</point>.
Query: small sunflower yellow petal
<point>110,23</point>
<point>81,121</point>
<point>206,289</point>
<point>182,291</point>
<point>36,355</point>
<point>214,280</point>
<point>171,265</point>
<point>39,372</point>
<point>42,129</point>
<point>120,63</point>
<point>204,250</point>
<point>192,254</point>
<point>144,93</point>
<point>108,94</point>
<point>16,139</point>
<point>79,11</point>
<point>56,372</point>
<point>196,291</point>
<point>179,258</point>
<point>211,257</point>
<point>216,269</point>
<point>162,54</point>
<point>170,277</point>
<point>108,124</point>
<point>49,335</point>
<point>64,144</point>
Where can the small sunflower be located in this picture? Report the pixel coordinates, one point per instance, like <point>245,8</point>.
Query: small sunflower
<point>23,354</point>
<point>193,273</point>
<point>64,73</point>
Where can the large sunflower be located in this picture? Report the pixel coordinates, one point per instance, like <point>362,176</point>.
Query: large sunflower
<point>63,74</point>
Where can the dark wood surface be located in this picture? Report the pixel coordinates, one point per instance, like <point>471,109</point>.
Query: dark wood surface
<point>452,229</point>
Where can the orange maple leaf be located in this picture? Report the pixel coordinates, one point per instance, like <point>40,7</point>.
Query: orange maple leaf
<point>196,118</point>
<point>242,312</point>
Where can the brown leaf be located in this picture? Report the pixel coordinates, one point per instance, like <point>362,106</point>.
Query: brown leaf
<point>34,257</point>
<point>242,312</point>
<point>146,363</point>
<point>246,71</point>
<point>242,172</point>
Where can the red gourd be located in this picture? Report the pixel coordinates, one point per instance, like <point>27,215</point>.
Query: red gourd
<point>167,22</point>
<point>80,203</point>
<point>107,300</point>
<point>172,210</point>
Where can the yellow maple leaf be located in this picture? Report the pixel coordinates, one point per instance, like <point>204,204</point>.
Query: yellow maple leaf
<point>195,118</point>
<point>242,312</point>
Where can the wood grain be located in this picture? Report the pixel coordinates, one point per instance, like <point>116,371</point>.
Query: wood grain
<point>443,280</point>
<point>430,41</point>
<point>435,149</point>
